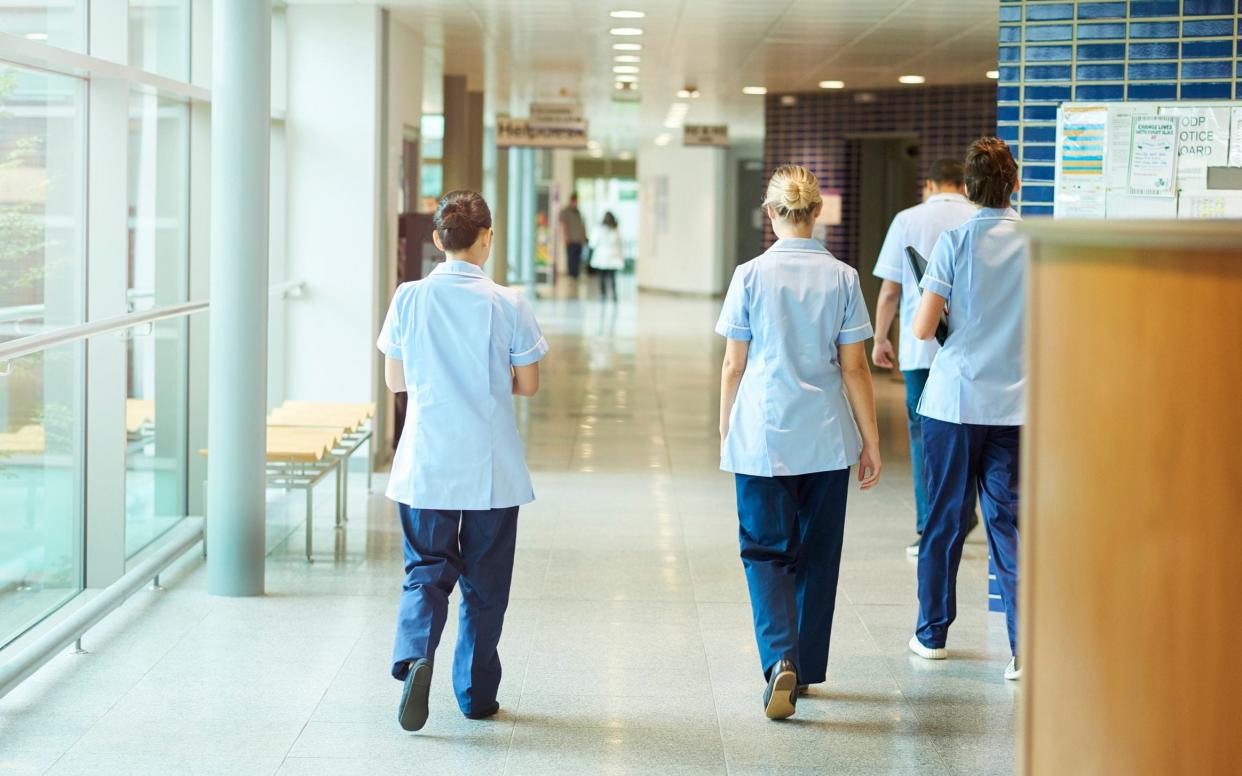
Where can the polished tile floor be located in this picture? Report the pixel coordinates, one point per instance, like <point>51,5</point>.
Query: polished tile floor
<point>628,647</point>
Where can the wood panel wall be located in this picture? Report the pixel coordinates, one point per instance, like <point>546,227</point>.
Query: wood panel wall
<point>1131,580</point>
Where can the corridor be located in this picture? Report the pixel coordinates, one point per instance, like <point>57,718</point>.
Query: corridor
<point>628,647</point>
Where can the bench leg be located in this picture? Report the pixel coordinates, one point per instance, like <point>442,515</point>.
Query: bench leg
<point>310,512</point>
<point>345,489</point>
<point>341,472</point>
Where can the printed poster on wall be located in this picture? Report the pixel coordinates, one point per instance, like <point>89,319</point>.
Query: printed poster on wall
<point>1117,158</point>
<point>1082,141</point>
<point>1210,204</point>
<point>1235,143</point>
<point>1202,142</point>
<point>1153,157</point>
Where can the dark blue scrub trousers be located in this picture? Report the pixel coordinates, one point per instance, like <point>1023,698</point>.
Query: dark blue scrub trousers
<point>916,381</point>
<point>443,547</point>
<point>790,530</point>
<point>961,461</point>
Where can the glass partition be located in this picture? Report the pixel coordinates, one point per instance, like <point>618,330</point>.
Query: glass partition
<point>157,360</point>
<point>61,23</point>
<point>42,178</point>
<point>159,37</point>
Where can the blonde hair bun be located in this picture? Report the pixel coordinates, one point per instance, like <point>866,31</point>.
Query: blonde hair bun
<point>793,192</point>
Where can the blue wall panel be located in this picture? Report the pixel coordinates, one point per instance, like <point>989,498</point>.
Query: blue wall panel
<point>1137,50</point>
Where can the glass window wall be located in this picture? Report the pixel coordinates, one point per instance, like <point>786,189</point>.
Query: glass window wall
<point>42,181</point>
<point>157,360</point>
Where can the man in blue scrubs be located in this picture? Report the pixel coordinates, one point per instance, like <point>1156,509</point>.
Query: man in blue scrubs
<point>972,407</point>
<point>944,207</point>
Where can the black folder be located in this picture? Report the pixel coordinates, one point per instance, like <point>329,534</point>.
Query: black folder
<point>919,265</point>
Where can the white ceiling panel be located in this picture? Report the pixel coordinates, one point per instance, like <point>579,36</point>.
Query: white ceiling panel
<point>525,49</point>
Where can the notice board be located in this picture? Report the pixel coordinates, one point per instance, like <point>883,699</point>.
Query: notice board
<point>1146,160</point>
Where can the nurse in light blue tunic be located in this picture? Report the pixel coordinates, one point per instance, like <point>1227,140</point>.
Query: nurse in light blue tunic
<point>973,406</point>
<point>462,347</point>
<point>796,327</point>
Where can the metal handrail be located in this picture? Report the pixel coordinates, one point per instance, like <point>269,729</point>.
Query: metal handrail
<point>289,289</point>
<point>20,666</point>
<point>38,342</point>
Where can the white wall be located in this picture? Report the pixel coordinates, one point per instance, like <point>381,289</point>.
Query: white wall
<point>683,192</point>
<point>404,89</point>
<point>333,131</point>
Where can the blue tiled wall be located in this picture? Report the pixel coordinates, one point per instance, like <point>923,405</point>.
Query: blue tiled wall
<point>816,132</point>
<point>1052,51</point>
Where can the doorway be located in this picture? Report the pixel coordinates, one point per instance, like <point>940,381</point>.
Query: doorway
<point>888,182</point>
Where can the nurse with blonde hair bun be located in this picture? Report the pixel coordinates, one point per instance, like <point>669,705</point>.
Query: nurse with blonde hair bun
<point>796,412</point>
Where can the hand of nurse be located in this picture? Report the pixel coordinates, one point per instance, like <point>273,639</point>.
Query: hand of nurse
<point>882,354</point>
<point>869,468</point>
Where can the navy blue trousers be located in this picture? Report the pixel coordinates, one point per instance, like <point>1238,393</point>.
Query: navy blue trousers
<point>961,461</point>
<point>916,381</point>
<point>790,530</point>
<point>443,548</point>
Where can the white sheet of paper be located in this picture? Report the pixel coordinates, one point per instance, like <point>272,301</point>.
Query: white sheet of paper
<point>1153,157</point>
<point>1117,159</point>
<point>1122,206</point>
<point>1210,204</point>
<point>1235,141</point>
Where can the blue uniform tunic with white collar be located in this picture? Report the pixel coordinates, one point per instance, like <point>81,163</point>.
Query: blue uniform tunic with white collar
<point>980,268</point>
<point>457,335</point>
<point>795,304</point>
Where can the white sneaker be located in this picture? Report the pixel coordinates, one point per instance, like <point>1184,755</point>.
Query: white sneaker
<point>1012,671</point>
<point>927,653</point>
<point>913,550</point>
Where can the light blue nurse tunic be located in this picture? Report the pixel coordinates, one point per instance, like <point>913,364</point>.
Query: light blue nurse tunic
<point>980,268</point>
<point>795,304</point>
<point>457,335</point>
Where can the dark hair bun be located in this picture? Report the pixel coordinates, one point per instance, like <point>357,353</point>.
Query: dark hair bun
<point>460,217</point>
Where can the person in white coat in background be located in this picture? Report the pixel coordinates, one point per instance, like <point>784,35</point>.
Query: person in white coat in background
<point>608,256</point>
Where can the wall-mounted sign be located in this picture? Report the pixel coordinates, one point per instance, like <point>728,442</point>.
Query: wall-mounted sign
<point>553,115</point>
<point>705,135</point>
<point>1202,142</point>
<point>519,133</point>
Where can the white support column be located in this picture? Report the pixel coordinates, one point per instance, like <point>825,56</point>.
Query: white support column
<point>236,435</point>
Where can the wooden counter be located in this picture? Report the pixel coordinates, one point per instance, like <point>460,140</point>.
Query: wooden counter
<point>1131,577</point>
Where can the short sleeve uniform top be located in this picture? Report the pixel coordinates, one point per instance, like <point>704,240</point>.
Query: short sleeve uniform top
<point>457,335</point>
<point>795,305</point>
<point>980,268</point>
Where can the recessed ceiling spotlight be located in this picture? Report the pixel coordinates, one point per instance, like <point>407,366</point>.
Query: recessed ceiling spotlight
<point>663,139</point>
<point>912,79</point>
<point>832,84</point>
<point>627,47</point>
<point>788,99</point>
<point>688,94</point>
<point>627,14</point>
<point>993,74</point>
<point>625,69</point>
<point>627,58</point>
<point>626,32</point>
<point>754,90</point>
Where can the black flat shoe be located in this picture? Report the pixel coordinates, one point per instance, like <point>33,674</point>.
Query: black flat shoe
<point>780,699</point>
<point>412,713</point>
<point>484,713</point>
